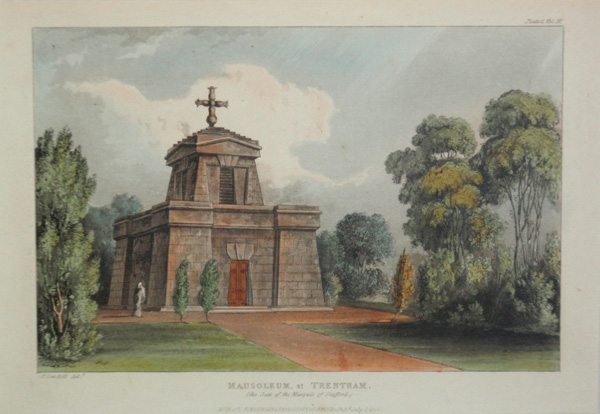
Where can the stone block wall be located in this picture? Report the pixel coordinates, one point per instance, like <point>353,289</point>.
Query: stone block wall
<point>278,242</point>
<point>118,274</point>
<point>193,244</point>
<point>156,288</point>
<point>141,264</point>
<point>299,273</point>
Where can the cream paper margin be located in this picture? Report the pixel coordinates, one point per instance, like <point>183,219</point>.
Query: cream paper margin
<point>572,390</point>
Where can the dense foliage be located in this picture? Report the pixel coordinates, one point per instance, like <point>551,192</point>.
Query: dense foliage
<point>446,209</point>
<point>182,287</point>
<point>483,292</point>
<point>469,278</point>
<point>67,275</point>
<point>101,220</point>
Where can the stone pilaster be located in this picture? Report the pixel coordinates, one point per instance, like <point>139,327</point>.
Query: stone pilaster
<point>298,278</point>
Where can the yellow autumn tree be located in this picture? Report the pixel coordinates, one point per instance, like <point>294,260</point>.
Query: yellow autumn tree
<point>402,283</point>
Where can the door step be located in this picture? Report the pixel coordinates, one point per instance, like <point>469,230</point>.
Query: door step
<point>240,309</point>
<point>252,309</point>
<point>301,309</point>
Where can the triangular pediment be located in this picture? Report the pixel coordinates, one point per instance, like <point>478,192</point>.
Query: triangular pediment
<point>228,146</point>
<point>217,141</point>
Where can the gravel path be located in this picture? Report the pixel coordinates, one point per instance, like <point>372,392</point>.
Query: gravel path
<point>319,352</point>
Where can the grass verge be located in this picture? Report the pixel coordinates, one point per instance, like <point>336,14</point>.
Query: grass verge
<point>470,351</point>
<point>174,347</point>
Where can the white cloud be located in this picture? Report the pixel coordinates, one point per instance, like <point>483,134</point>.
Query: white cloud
<point>146,49</point>
<point>142,49</point>
<point>280,115</point>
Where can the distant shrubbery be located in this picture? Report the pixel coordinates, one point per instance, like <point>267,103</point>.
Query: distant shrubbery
<point>348,258</point>
<point>101,220</point>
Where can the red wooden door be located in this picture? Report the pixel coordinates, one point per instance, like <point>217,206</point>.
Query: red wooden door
<point>237,283</point>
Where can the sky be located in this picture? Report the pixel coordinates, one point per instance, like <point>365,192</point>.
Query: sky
<point>326,104</point>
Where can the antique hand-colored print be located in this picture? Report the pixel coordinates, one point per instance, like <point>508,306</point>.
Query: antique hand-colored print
<point>298,199</point>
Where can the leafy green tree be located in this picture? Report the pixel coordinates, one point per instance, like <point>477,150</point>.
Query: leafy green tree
<point>438,139</point>
<point>450,213</point>
<point>521,162</point>
<point>446,210</point>
<point>209,287</point>
<point>101,220</point>
<point>67,275</point>
<point>123,205</point>
<point>365,242</point>
<point>182,287</point>
<point>446,138</point>
<point>330,264</point>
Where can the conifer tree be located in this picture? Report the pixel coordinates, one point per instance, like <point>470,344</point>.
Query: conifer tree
<point>182,286</point>
<point>67,275</point>
<point>209,283</point>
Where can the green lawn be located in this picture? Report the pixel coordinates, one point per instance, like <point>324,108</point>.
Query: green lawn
<point>475,351</point>
<point>175,347</point>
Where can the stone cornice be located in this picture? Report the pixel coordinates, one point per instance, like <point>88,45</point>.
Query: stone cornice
<point>218,216</point>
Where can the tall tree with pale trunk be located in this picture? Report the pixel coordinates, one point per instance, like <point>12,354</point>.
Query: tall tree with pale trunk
<point>521,164</point>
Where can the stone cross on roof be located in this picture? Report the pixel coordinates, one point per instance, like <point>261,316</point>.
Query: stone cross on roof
<point>211,103</point>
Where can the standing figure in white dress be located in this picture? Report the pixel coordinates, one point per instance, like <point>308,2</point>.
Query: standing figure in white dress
<point>140,297</point>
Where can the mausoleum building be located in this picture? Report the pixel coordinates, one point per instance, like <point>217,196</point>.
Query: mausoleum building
<point>214,209</point>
